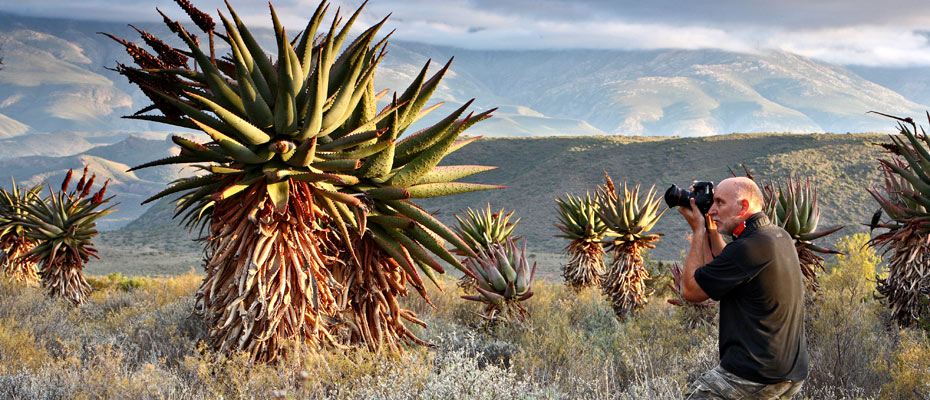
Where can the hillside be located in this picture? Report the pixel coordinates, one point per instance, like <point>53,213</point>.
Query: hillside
<point>537,170</point>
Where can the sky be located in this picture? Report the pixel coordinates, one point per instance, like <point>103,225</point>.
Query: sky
<point>848,32</point>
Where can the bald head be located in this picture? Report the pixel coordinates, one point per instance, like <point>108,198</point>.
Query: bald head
<point>742,188</point>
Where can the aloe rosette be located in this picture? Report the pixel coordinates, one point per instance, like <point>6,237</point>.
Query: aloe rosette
<point>13,239</point>
<point>306,184</point>
<point>63,226</point>
<point>503,279</point>
<point>629,216</point>
<point>481,228</point>
<point>583,227</point>
<point>794,207</point>
<point>904,198</point>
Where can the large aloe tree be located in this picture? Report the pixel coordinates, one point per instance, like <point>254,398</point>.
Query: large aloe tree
<point>13,239</point>
<point>306,184</point>
<point>905,199</point>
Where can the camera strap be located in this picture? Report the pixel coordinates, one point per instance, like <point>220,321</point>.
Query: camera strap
<point>710,248</point>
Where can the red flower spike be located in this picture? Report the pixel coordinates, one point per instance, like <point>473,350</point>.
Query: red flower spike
<point>86,190</point>
<point>67,181</point>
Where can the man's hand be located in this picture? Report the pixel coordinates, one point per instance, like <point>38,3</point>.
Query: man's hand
<point>694,217</point>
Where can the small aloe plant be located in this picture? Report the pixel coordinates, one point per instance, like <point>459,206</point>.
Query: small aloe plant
<point>13,239</point>
<point>694,313</point>
<point>629,216</point>
<point>63,225</point>
<point>503,279</point>
<point>579,222</point>
<point>482,228</point>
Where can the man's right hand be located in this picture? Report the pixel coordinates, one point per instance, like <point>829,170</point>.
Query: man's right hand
<point>693,215</point>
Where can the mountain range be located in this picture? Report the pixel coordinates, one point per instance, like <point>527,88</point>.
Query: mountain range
<point>60,105</point>
<point>56,78</point>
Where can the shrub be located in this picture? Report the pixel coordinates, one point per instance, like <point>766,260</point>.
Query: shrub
<point>116,280</point>
<point>908,368</point>
<point>853,273</point>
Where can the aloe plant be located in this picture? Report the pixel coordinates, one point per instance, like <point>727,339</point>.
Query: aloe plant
<point>306,187</point>
<point>504,279</point>
<point>63,226</point>
<point>580,223</point>
<point>904,198</point>
<point>695,314</point>
<point>13,239</point>
<point>629,216</point>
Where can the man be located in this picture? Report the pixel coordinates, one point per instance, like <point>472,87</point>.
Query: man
<point>757,280</point>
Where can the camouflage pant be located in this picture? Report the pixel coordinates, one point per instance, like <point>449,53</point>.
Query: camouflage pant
<point>720,384</point>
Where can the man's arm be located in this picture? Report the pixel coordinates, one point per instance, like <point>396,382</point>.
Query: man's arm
<point>699,253</point>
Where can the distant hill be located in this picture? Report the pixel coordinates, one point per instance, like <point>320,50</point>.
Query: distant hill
<point>108,162</point>
<point>55,78</point>
<point>537,170</point>
<point>55,144</point>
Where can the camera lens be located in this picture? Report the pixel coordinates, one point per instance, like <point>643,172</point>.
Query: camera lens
<point>675,196</point>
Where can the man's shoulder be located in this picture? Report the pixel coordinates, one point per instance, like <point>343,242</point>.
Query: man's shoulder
<point>769,232</point>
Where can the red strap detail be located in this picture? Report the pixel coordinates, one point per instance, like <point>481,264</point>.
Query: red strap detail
<point>739,229</point>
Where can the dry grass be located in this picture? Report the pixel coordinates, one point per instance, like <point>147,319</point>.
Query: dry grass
<point>137,340</point>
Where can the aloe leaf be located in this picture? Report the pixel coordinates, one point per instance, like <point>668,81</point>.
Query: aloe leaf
<point>380,164</point>
<point>167,161</point>
<point>429,190</point>
<point>261,60</point>
<point>431,223</point>
<point>256,108</point>
<point>279,193</point>
<point>232,147</point>
<point>197,149</point>
<point>423,163</point>
<point>451,173</point>
<point>304,48</point>
<point>243,128</point>
<point>352,140</point>
<point>224,94</point>
<point>389,193</point>
<point>408,148</point>
<point>183,184</point>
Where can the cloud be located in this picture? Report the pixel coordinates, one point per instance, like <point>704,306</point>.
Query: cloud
<point>861,32</point>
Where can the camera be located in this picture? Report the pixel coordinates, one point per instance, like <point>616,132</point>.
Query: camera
<point>703,195</point>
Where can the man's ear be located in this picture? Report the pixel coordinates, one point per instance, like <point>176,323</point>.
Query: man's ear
<point>743,207</point>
